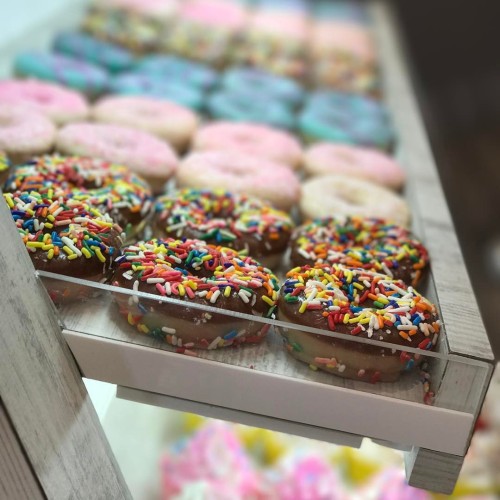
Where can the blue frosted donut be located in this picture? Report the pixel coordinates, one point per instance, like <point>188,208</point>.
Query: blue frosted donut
<point>250,107</point>
<point>347,118</point>
<point>156,86</point>
<point>88,78</point>
<point>262,83</point>
<point>83,46</point>
<point>346,10</point>
<point>178,69</point>
<point>295,6</point>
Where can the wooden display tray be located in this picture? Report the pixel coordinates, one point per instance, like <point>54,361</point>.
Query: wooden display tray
<point>266,388</point>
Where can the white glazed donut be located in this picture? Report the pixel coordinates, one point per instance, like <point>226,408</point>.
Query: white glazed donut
<point>168,120</point>
<point>342,195</point>
<point>240,173</point>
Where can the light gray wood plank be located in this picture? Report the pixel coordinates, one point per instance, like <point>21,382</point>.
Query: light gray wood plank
<point>41,387</point>
<point>17,480</point>
<point>431,470</point>
<point>464,326</point>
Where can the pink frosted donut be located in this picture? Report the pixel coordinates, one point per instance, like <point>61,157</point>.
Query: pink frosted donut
<point>169,121</point>
<point>145,154</point>
<point>240,173</point>
<point>24,133</point>
<point>56,102</point>
<point>259,140</point>
<point>373,165</point>
<point>215,13</point>
<point>292,26</point>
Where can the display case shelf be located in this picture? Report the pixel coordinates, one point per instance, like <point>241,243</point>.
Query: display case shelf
<point>263,386</point>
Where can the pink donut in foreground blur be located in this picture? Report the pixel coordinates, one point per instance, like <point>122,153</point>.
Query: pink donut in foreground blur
<point>144,154</point>
<point>328,158</point>
<point>168,120</point>
<point>24,133</point>
<point>60,104</point>
<point>241,173</point>
<point>249,138</point>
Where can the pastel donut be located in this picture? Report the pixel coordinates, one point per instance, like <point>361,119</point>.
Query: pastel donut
<point>24,133</point>
<point>346,118</point>
<point>325,10</point>
<point>342,195</point>
<point>261,82</point>
<point>4,168</point>
<point>111,189</point>
<point>249,107</point>
<point>155,86</point>
<point>83,46</point>
<point>167,120</point>
<point>88,78</point>
<point>356,302</point>
<point>371,244</point>
<point>370,164</point>
<point>144,154</point>
<point>179,70</point>
<point>240,173</point>
<point>221,218</point>
<point>253,139</point>
<point>195,273</point>
<point>60,104</point>
<point>65,236</point>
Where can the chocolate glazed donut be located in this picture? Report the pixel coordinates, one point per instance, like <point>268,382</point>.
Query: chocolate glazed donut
<point>195,273</point>
<point>221,218</point>
<point>355,302</point>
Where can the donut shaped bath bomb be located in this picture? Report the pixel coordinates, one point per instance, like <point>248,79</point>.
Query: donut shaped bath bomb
<point>220,218</point>
<point>370,164</point>
<point>86,77</point>
<point>244,106</point>
<point>257,81</point>
<point>195,273</point>
<point>355,303</point>
<point>178,69</point>
<point>155,86</point>
<point>144,154</point>
<point>60,104</point>
<point>112,189</point>
<point>259,140</point>
<point>4,168</point>
<point>24,133</point>
<point>240,173</point>
<point>371,244</point>
<point>83,46</point>
<point>346,118</point>
<point>342,195</point>
<point>167,120</point>
<point>54,229</point>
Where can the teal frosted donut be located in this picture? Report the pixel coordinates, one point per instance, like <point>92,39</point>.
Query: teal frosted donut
<point>250,107</point>
<point>178,69</point>
<point>255,80</point>
<point>88,48</point>
<point>347,118</point>
<point>79,75</point>
<point>158,87</point>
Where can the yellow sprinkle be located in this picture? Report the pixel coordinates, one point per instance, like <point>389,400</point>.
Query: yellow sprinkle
<point>51,218</point>
<point>182,290</point>
<point>346,318</point>
<point>349,276</point>
<point>30,212</point>
<point>294,270</point>
<point>275,295</point>
<point>34,244</point>
<point>382,299</point>
<point>313,367</point>
<point>9,201</point>
<point>364,321</point>
<point>268,301</point>
<point>72,256</point>
<point>50,254</point>
<point>359,286</point>
<point>86,253</point>
<point>46,237</point>
<point>68,250</point>
<point>353,320</point>
<point>99,254</point>
<point>47,247</point>
<point>206,257</point>
<point>130,319</point>
<point>143,328</point>
<point>227,291</point>
<point>49,225</point>
<point>303,307</point>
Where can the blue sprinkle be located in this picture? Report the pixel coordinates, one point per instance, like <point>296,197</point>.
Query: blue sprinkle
<point>230,335</point>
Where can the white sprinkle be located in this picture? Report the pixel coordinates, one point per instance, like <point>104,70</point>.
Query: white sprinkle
<point>155,280</point>
<point>243,297</point>
<point>341,368</point>
<point>128,275</point>
<point>406,327</point>
<point>71,245</point>
<point>168,330</point>
<point>214,343</point>
<point>214,297</point>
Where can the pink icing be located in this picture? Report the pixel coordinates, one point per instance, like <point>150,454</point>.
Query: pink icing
<point>215,460</point>
<point>333,36</point>
<point>23,131</point>
<point>218,13</point>
<point>328,158</point>
<point>259,140</point>
<point>142,152</point>
<point>241,173</point>
<point>58,103</point>
<point>291,25</point>
<point>168,120</point>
